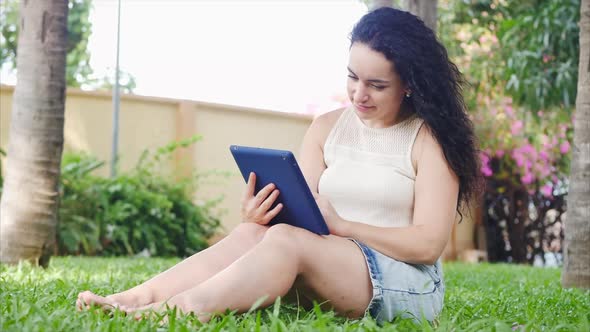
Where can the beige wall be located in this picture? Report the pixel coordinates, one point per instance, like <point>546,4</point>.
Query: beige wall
<point>144,123</point>
<point>148,122</point>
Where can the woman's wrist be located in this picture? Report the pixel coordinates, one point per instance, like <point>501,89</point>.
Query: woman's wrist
<point>344,228</point>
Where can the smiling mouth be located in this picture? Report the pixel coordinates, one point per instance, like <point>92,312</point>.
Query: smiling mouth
<point>363,108</point>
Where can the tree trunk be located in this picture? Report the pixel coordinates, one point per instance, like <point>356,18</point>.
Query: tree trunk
<point>576,269</point>
<point>374,4</point>
<point>425,9</point>
<point>28,207</point>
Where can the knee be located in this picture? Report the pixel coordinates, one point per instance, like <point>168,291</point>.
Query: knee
<point>250,232</point>
<point>283,235</point>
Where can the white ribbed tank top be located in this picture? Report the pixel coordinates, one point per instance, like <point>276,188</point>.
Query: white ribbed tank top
<point>369,176</point>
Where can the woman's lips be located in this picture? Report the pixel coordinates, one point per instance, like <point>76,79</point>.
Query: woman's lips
<point>362,108</point>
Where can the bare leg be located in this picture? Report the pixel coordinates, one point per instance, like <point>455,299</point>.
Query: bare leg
<point>333,267</point>
<point>184,275</point>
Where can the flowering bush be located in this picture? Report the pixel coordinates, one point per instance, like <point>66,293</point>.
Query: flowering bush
<point>520,81</point>
<point>521,148</point>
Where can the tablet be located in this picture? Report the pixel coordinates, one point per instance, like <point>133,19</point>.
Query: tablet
<point>281,168</point>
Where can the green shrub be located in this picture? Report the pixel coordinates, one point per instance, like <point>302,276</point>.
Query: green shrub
<point>131,212</point>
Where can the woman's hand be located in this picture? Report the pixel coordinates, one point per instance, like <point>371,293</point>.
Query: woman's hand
<point>255,208</point>
<point>335,223</point>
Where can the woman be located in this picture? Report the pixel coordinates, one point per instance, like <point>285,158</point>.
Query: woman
<point>389,173</point>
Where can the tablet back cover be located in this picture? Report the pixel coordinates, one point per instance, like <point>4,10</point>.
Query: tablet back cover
<point>281,168</point>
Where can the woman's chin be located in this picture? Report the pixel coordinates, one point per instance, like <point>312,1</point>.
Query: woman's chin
<point>365,114</point>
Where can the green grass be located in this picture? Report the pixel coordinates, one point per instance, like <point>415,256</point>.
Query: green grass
<point>479,297</point>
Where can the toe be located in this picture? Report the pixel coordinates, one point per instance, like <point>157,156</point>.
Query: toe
<point>78,304</point>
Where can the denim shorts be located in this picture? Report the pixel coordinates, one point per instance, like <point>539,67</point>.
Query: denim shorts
<point>403,290</point>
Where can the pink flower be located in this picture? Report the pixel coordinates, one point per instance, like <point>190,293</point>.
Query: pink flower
<point>528,178</point>
<point>516,127</point>
<point>528,149</point>
<point>509,110</point>
<point>547,190</point>
<point>487,171</point>
<point>543,169</point>
<point>540,113</point>
<point>500,153</point>
<point>564,147</point>
<point>517,156</point>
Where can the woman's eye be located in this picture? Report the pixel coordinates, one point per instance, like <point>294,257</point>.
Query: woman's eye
<point>353,77</point>
<point>378,87</point>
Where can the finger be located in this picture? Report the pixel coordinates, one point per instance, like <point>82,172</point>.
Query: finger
<point>250,185</point>
<point>264,192</point>
<point>272,213</point>
<point>269,201</point>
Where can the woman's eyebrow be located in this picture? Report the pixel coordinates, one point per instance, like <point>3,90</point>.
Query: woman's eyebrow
<point>370,80</point>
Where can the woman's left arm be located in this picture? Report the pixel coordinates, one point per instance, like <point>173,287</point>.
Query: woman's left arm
<point>436,192</point>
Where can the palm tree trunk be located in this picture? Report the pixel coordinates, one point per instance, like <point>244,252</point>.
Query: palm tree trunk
<point>576,270</point>
<point>375,4</point>
<point>28,207</point>
<point>425,9</point>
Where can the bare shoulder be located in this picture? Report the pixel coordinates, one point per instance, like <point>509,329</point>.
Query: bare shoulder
<point>323,124</point>
<point>425,143</point>
<point>312,148</point>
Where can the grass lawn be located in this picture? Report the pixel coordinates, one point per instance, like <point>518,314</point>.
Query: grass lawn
<point>479,297</point>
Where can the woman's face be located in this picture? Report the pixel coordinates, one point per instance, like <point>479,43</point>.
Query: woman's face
<point>374,88</point>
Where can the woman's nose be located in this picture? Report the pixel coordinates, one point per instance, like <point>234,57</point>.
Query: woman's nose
<point>360,94</point>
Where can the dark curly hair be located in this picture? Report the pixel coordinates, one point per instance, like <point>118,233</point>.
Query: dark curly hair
<point>424,66</point>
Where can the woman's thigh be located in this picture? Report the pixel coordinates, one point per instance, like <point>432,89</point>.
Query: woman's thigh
<point>332,269</point>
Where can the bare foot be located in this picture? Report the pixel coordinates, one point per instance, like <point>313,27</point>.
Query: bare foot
<point>128,299</point>
<point>87,299</point>
<point>158,310</point>
<point>161,311</point>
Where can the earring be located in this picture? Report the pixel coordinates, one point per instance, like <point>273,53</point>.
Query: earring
<point>408,94</point>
